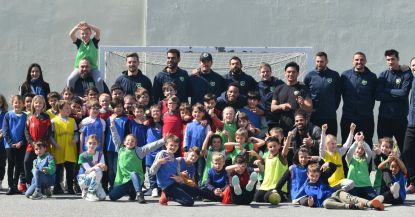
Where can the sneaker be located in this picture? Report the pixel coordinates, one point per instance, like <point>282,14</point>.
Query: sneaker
<point>154,192</point>
<point>22,187</point>
<point>380,198</point>
<point>140,198</point>
<point>91,196</point>
<point>48,192</point>
<point>83,194</point>
<point>12,190</point>
<point>252,181</point>
<point>359,206</point>
<point>236,186</point>
<point>163,199</point>
<point>395,190</point>
<point>410,189</point>
<point>57,190</point>
<point>375,203</point>
<point>36,195</point>
<point>71,191</point>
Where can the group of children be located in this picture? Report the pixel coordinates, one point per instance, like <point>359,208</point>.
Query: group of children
<point>109,144</point>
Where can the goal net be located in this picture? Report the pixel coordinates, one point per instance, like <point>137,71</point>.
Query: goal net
<point>153,59</point>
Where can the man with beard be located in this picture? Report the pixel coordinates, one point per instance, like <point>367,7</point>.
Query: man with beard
<point>306,134</point>
<point>289,97</point>
<point>245,81</point>
<point>85,79</point>
<point>172,73</point>
<point>324,86</point>
<point>204,80</point>
<point>133,77</point>
<point>358,91</point>
<point>231,97</point>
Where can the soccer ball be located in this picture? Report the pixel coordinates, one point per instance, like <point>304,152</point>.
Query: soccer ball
<point>274,198</point>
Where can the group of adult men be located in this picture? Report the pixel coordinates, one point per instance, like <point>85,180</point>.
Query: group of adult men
<point>320,94</point>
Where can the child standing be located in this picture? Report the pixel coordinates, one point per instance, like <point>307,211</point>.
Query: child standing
<point>122,125</point>
<point>172,122</point>
<point>92,125</point>
<point>64,150</point>
<point>43,173</point>
<point>92,165</point>
<point>137,127</point>
<point>212,144</point>
<point>329,152</point>
<point>130,174</point>
<point>86,48</point>
<point>53,99</point>
<point>228,126</point>
<point>67,93</point>
<point>169,90</point>
<point>275,166</point>
<point>105,110</point>
<point>38,128</point>
<point>154,133</point>
<point>3,111</point>
<point>195,135</point>
<point>255,113</point>
<point>15,143</point>
<point>358,158</point>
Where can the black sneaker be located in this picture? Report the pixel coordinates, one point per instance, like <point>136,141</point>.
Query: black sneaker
<point>12,191</point>
<point>140,198</point>
<point>71,191</point>
<point>57,190</point>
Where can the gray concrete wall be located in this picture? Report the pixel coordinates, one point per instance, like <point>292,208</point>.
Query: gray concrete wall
<point>37,31</point>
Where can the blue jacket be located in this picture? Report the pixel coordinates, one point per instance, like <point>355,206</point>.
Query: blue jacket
<point>180,78</point>
<point>266,88</point>
<point>14,128</point>
<point>195,135</point>
<point>325,92</point>
<point>122,125</point>
<point>2,114</point>
<point>166,171</point>
<point>320,191</point>
<point>392,92</point>
<point>245,81</point>
<point>206,83</point>
<point>153,134</point>
<point>96,128</point>
<point>140,132</point>
<point>358,91</point>
<point>130,83</point>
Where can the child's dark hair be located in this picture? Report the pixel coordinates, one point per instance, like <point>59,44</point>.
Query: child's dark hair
<point>39,144</point>
<point>5,106</point>
<point>31,95</point>
<point>141,91</point>
<point>214,136</point>
<point>67,89</point>
<point>195,150</point>
<point>242,116</point>
<point>314,167</point>
<point>199,107</point>
<point>93,89</point>
<point>139,106</point>
<point>174,99</point>
<point>116,87</point>
<point>78,101</point>
<point>240,159</point>
<point>54,94</point>
<point>272,139</point>
<point>169,84</point>
<point>117,102</point>
<point>185,106</point>
<point>297,155</point>
<point>300,112</point>
<point>253,95</point>
<point>209,96</point>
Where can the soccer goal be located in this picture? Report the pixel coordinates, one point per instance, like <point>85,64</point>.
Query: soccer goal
<point>153,59</point>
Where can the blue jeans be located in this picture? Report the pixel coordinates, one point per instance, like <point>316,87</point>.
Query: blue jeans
<point>40,181</point>
<point>90,181</point>
<point>184,194</point>
<point>112,157</point>
<point>130,188</point>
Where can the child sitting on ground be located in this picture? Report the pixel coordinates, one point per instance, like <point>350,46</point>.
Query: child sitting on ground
<point>217,178</point>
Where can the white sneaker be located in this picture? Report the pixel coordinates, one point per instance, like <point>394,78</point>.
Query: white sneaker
<point>91,197</point>
<point>84,193</point>
<point>154,192</point>
<point>253,178</point>
<point>236,186</point>
<point>395,190</point>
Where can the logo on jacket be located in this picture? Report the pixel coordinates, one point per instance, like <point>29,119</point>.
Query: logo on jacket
<point>242,83</point>
<point>138,84</point>
<point>329,80</point>
<point>364,82</point>
<point>181,78</point>
<point>398,81</point>
<point>212,83</point>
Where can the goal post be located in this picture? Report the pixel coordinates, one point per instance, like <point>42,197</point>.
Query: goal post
<point>153,59</point>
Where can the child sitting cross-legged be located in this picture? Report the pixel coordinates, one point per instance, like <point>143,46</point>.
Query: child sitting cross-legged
<point>43,173</point>
<point>217,178</point>
<point>92,165</point>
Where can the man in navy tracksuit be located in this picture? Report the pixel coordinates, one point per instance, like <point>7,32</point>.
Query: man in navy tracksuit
<point>358,90</point>
<point>266,87</point>
<point>172,73</point>
<point>408,151</point>
<point>393,89</point>
<point>246,82</point>
<point>324,86</point>
<point>133,77</point>
<point>204,80</point>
